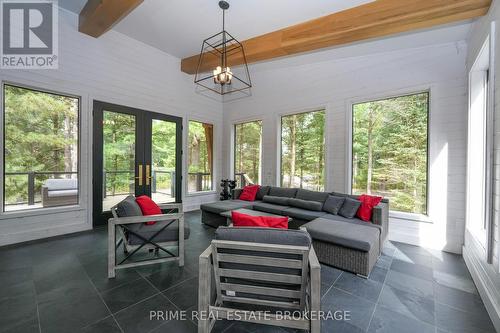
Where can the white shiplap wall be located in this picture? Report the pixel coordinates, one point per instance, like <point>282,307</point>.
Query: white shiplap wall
<point>115,69</point>
<point>334,82</point>
<point>487,276</point>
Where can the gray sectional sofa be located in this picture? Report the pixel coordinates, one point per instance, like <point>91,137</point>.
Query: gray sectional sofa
<point>347,243</point>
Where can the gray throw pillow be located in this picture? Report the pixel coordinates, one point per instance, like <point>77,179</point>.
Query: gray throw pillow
<point>333,204</point>
<point>282,192</point>
<point>306,204</point>
<point>276,200</point>
<point>263,190</point>
<point>128,207</point>
<point>349,208</point>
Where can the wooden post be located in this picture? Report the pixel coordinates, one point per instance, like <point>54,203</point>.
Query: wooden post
<point>31,188</point>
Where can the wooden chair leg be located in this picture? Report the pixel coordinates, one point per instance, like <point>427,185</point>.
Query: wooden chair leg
<point>111,250</point>
<point>204,289</point>
<point>181,241</point>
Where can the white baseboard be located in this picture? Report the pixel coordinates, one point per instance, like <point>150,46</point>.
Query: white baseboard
<point>42,233</point>
<point>492,305</point>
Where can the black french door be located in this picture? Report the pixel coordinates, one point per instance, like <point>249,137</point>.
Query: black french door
<point>135,152</point>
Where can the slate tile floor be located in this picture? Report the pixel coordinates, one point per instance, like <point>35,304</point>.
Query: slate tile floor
<point>61,285</point>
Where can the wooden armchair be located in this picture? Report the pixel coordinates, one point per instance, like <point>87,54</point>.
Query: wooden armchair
<point>169,230</point>
<point>253,272</point>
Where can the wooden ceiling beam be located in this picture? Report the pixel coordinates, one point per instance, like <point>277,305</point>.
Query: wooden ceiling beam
<point>376,19</point>
<point>98,16</point>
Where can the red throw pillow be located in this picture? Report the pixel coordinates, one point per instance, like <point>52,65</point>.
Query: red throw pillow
<point>148,207</point>
<point>244,220</point>
<point>366,209</point>
<point>249,192</point>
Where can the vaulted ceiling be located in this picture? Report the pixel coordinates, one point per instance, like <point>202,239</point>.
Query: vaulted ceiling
<point>179,27</point>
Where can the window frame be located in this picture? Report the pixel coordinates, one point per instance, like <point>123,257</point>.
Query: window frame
<point>485,236</point>
<point>41,210</point>
<point>418,217</point>
<point>213,184</point>
<point>233,136</point>
<point>323,109</point>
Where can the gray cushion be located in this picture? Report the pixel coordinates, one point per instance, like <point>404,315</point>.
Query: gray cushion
<point>264,235</point>
<point>263,190</point>
<point>223,206</point>
<point>349,207</point>
<point>305,204</point>
<point>269,208</point>
<point>333,204</point>
<point>276,200</point>
<point>353,220</point>
<point>128,207</point>
<point>312,195</point>
<point>350,235</point>
<point>171,233</point>
<point>303,214</point>
<point>283,192</point>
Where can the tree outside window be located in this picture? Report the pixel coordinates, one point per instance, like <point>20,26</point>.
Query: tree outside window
<point>41,143</point>
<point>247,152</point>
<point>389,151</point>
<point>200,157</point>
<point>303,150</point>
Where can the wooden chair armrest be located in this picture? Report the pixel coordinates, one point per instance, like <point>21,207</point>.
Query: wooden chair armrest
<point>315,290</point>
<point>313,261</point>
<point>205,286</point>
<point>177,206</point>
<point>142,219</point>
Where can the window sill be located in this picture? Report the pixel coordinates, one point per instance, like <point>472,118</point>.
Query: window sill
<point>40,212</point>
<point>197,194</point>
<point>410,217</point>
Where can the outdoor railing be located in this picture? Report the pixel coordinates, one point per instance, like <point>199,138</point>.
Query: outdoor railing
<point>201,181</point>
<point>242,179</point>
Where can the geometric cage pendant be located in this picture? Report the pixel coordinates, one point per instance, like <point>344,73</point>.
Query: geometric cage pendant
<point>222,65</point>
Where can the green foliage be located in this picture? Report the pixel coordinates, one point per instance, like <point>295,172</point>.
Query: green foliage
<point>41,134</point>
<point>390,151</point>
<point>248,138</point>
<point>303,153</point>
<point>198,159</point>
<point>164,154</point>
<point>119,152</point>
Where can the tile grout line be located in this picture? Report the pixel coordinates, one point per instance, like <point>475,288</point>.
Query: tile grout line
<point>121,285</point>
<point>102,299</point>
<point>164,296</point>
<point>37,309</point>
<point>379,295</point>
<point>338,277</point>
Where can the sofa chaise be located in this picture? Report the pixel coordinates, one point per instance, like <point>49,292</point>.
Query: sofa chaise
<point>347,243</point>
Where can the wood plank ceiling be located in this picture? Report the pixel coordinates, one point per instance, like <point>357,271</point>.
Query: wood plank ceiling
<point>372,20</point>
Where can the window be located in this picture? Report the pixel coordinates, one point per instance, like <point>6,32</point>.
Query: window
<point>389,150</point>
<point>247,152</point>
<point>40,148</point>
<point>303,150</point>
<point>200,157</point>
<point>479,147</point>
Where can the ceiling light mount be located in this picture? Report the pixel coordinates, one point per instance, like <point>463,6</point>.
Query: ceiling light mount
<point>219,52</point>
<point>224,5</point>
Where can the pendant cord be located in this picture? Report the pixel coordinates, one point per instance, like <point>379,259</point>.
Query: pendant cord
<point>224,60</point>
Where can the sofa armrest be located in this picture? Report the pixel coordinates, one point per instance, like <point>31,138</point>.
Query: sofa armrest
<point>381,217</point>
<point>235,194</point>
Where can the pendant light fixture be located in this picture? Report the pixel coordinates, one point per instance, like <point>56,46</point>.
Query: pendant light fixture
<point>222,65</point>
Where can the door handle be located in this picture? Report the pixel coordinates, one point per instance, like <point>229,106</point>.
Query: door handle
<point>148,174</point>
<point>140,175</point>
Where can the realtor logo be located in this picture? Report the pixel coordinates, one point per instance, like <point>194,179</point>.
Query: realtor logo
<point>29,34</point>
